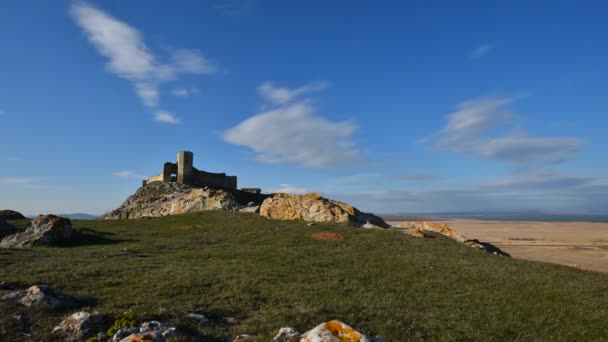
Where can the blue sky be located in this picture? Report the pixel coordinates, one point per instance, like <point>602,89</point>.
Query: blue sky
<point>393,106</point>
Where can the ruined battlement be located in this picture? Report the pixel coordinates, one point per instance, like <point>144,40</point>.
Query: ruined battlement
<point>183,171</point>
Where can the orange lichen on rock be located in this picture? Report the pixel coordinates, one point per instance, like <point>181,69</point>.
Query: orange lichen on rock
<point>333,331</point>
<point>427,226</point>
<point>327,236</point>
<point>312,207</point>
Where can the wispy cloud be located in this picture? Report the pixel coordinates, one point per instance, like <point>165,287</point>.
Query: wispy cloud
<point>166,117</point>
<point>482,51</point>
<point>184,92</point>
<point>283,95</point>
<point>475,129</point>
<point>128,174</point>
<point>293,132</point>
<point>519,192</point>
<point>129,57</point>
<point>288,189</point>
<point>33,183</point>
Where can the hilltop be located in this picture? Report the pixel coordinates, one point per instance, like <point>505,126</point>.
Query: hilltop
<point>268,274</point>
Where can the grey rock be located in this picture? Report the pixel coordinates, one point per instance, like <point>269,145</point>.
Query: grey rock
<point>44,230</point>
<point>161,199</point>
<point>243,338</point>
<point>287,335</point>
<point>200,318</point>
<point>124,333</point>
<point>43,295</point>
<point>254,209</point>
<point>81,325</point>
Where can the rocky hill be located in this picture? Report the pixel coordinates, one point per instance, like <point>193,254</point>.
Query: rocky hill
<point>161,199</point>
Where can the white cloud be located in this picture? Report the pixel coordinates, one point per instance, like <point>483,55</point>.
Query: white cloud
<point>475,129</point>
<point>288,189</point>
<point>166,117</point>
<point>128,174</point>
<point>184,92</point>
<point>192,62</point>
<point>282,95</point>
<point>129,57</point>
<point>296,134</point>
<point>482,51</point>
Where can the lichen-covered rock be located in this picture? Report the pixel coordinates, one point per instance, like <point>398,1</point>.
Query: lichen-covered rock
<point>152,331</point>
<point>43,295</point>
<point>287,335</point>
<point>81,325</point>
<point>161,199</point>
<point>11,215</point>
<point>313,207</point>
<point>335,331</point>
<point>242,338</point>
<point>6,228</point>
<point>417,229</point>
<point>44,230</point>
<point>427,226</point>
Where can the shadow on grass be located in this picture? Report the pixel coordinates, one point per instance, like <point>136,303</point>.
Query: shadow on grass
<point>87,237</point>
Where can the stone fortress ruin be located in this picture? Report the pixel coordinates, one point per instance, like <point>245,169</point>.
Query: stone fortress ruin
<point>184,172</point>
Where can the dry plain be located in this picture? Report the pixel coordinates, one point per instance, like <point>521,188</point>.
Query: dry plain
<point>578,244</point>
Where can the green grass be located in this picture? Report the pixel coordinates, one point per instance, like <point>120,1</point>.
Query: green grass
<point>270,274</point>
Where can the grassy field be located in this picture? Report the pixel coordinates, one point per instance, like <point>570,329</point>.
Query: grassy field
<point>269,274</point>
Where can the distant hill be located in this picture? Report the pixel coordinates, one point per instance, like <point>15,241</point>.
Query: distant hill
<point>79,216</point>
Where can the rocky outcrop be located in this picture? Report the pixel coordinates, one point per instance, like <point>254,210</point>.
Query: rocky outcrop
<point>313,207</point>
<point>152,331</point>
<point>43,295</point>
<point>486,247</point>
<point>44,230</point>
<point>418,228</point>
<point>336,331</point>
<point>11,215</point>
<point>428,226</point>
<point>80,326</point>
<point>161,199</point>
<point>6,228</point>
<point>287,335</point>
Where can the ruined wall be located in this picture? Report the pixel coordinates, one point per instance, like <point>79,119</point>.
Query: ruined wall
<point>184,172</point>
<point>214,180</point>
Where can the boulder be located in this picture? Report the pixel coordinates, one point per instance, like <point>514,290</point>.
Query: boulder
<point>152,331</point>
<point>334,331</point>
<point>427,226</point>
<point>287,335</point>
<point>43,295</point>
<point>313,207</point>
<point>81,325</point>
<point>486,247</point>
<point>11,215</point>
<point>254,209</point>
<point>44,230</point>
<point>6,228</point>
<point>242,338</point>
<point>161,199</point>
<point>417,229</point>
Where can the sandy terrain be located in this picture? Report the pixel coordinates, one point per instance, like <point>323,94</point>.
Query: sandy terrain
<point>578,244</point>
